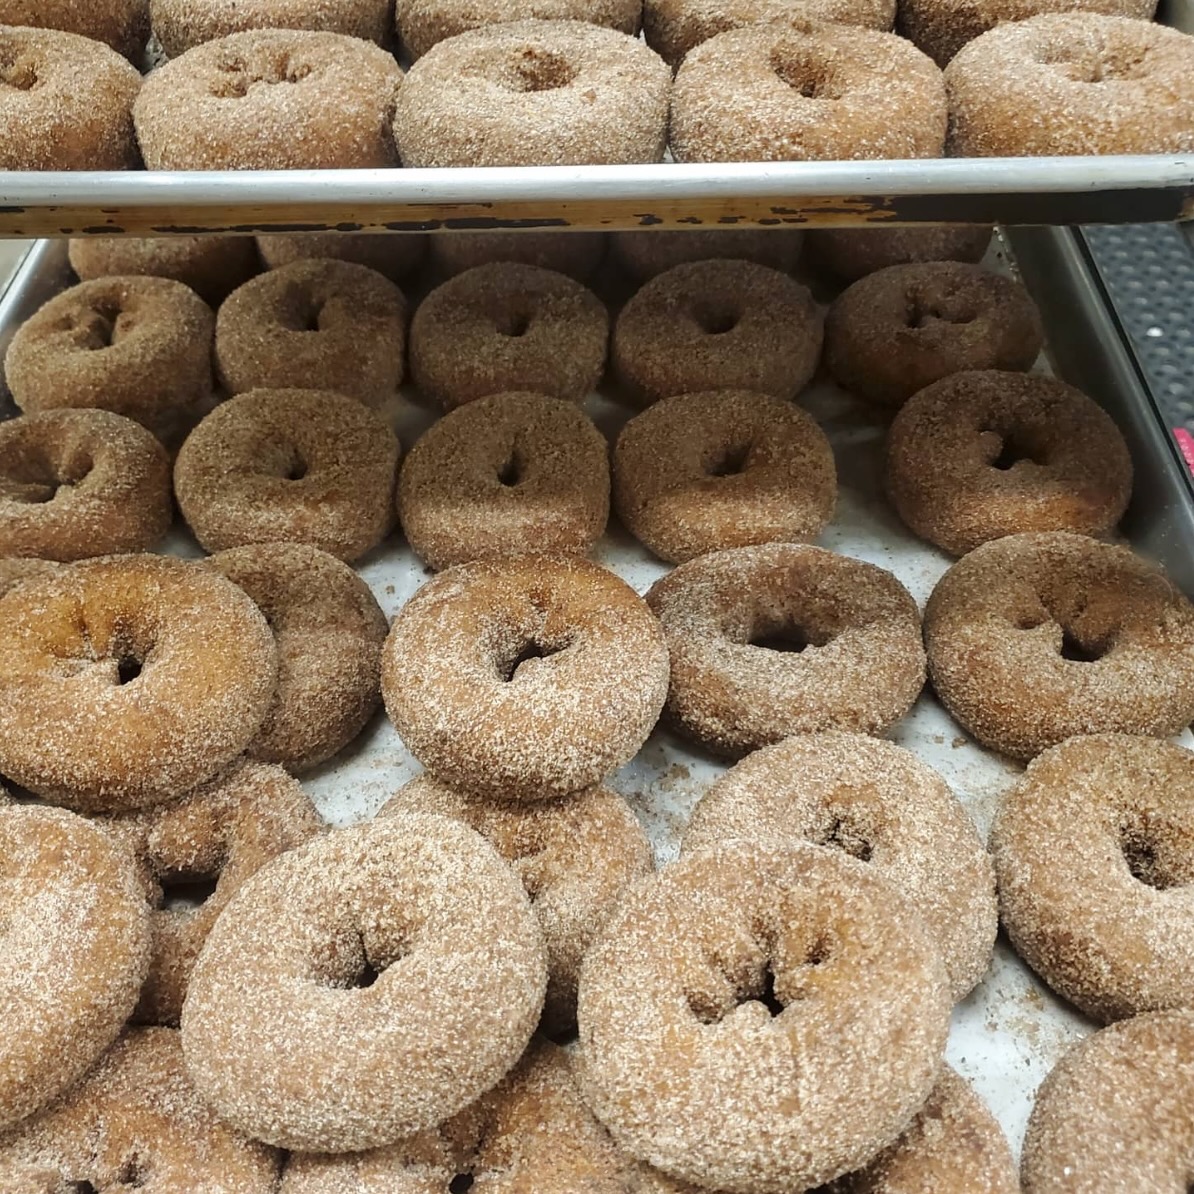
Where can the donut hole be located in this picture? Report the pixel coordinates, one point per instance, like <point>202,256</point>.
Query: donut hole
<point>461,1183</point>
<point>236,76</point>
<point>840,834</point>
<point>760,985</point>
<point>1089,64</point>
<point>34,479</point>
<point>18,71</point>
<point>183,891</point>
<point>1005,451</point>
<point>528,653</point>
<point>784,635</point>
<point>714,317</point>
<point>1156,852</point>
<point>533,69</point>
<point>805,72</point>
<point>729,461</point>
<point>938,305</point>
<point>511,471</point>
<point>512,323</point>
<point>1077,650</point>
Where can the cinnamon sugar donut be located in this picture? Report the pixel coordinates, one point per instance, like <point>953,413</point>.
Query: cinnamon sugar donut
<point>577,254</point>
<point>129,680</point>
<point>801,91</point>
<point>507,327</point>
<point>501,473</point>
<point>576,858</point>
<point>121,24</point>
<point>394,256</point>
<point>75,936</point>
<point>785,639</point>
<point>645,254</point>
<point>534,93</point>
<point>14,570</point>
<point>982,455</point>
<point>390,974</point>
<point>329,630</point>
<point>736,969</point>
<point>314,325</point>
<point>717,325</point>
<point>701,472</point>
<point>852,253</point>
<point>289,466</point>
<point>1035,638</point>
<point>898,330</point>
<point>1028,88</point>
<point>136,1123</point>
<point>524,678</point>
<point>79,483</point>
<point>66,102</point>
<point>271,99</point>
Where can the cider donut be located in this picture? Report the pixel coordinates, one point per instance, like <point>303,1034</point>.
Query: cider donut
<point>645,254</point>
<point>806,91</point>
<point>526,678</point>
<point>79,483</point>
<point>896,331</point>
<point>392,256</point>
<point>717,325</point>
<point>852,253</point>
<point>735,968</point>
<point>391,974</point>
<point>783,639</point>
<point>16,569</point>
<point>505,327</point>
<point>121,24</point>
<point>982,455</point>
<point>534,93</point>
<point>1035,638</point>
<point>314,325</point>
<point>289,466</point>
<point>328,629</point>
<point>129,680</point>
<point>75,934</point>
<point>577,254</point>
<point>271,99</point>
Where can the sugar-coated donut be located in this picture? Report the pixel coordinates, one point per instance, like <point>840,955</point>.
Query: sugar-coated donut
<point>390,973</point>
<point>79,483</point>
<point>121,24</point>
<point>129,680</point>
<point>16,569</point>
<point>502,473</point>
<point>534,93</point>
<point>135,1122</point>
<point>525,678</point>
<point>647,253</point>
<point>75,934</point>
<point>577,254</point>
<point>791,92</point>
<point>737,968</point>
<point>717,325</point>
<point>785,639</point>
<point>507,326</point>
<point>1034,638</point>
<point>316,324</point>
<point>271,99</point>
<point>982,455</point>
<point>66,102</point>
<point>852,253</point>
<point>701,472</point>
<point>1028,88</point>
<point>329,630</point>
<point>289,466</point>
<point>898,330</point>
<point>392,255</point>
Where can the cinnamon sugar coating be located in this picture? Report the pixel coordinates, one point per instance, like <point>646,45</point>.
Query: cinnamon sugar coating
<point>74,932</point>
<point>702,472</point>
<point>136,1123</point>
<point>493,476</point>
<point>717,325</point>
<point>121,24</point>
<point>329,630</point>
<point>987,454</point>
<point>577,254</point>
<point>806,91</point>
<point>525,678</point>
<point>647,253</point>
<point>790,972</point>
<point>289,466</point>
<point>365,987</point>
<point>271,99</point>
<point>128,680</point>
<point>14,570</point>
<point>80,483</point>
<point>534,93</point>
<point>784,639</point>
<point>852,253</point>
<point>392,256</point>
<point>1037,637</point>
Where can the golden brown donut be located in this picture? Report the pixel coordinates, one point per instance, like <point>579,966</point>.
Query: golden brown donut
<point>789,971</point>
<point>121,24</point>
<point>271,99</point>
<point>645,254</point>
<point>791,92</point>
<point>14,570</point>
<point>852,253</point>
<point>493,476</point>
<point>289,466</point>
<point>577,254</point>
<point>329,630</point>
<point>128,680</point>
<point>390,974</point>
<point>525,678</point>
<point>701,472</point>
<point>785,639</point>
<point>982,455</point>
<point>1026,88</point>
<point>66,102</point>
<point>79,483</point>
<point>136,1123</point>
<point>316,324</point>
<point>392,255</point>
